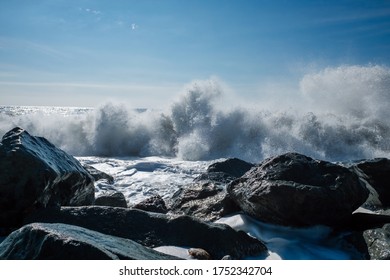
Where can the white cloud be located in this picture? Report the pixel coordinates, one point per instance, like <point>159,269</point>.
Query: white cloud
<point>134,26</point>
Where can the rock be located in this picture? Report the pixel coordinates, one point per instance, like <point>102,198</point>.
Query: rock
<point>36,174</point>
<point>378,242</point>
<point>114,199</point>
<point>295,190</point>
<point>152,204</point>
<point>204,200</point>
<point>377,173</point>
<point>225,171</point>
<point>199,254</point>
<point>227,258</point>
<point>154,229</point>
<point>234,167</point>
<point>67,242</point>
<point>98,175</point>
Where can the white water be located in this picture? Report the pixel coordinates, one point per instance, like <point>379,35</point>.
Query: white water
<point>337,114</point>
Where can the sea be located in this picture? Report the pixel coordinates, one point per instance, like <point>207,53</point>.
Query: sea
<point>157,151</point>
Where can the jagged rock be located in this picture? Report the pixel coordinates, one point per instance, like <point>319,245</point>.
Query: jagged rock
<point>155,229</point>
<point>98,175</point>
<point>114,199</point>
<point>378,242</point>
<point>295,190</point>
<point>67,242</point>
<point>36,174</point>
<point>152,204</point>
<point>377,173</point>
<point>204,200</point>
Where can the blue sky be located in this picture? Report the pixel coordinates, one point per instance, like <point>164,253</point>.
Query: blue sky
<point>81,53</point>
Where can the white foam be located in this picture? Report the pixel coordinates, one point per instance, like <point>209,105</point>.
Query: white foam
<point>340,114</point>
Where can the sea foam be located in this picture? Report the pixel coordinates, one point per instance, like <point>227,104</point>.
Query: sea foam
<point>338,114</point>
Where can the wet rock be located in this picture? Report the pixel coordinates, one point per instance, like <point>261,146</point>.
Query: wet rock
<point>152,204</point>
<point>36,174</point>
<point>154,229</point>
<point>67,242</point>
<point>377,173</point>
<point>378,242</point>
<point>114,199</point>
<point>233,166</point>
<point>225,171</point>
<point>204,200</point>
<point>295,190</point>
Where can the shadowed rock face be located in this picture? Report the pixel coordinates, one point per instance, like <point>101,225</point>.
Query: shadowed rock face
<point>36,174</point>
<point>67,242</point>
<point>154,229</point>
<point>296,190</point>
<point>378,176</point>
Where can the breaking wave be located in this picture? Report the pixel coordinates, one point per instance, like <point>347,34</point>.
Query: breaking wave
<point>339,114</point>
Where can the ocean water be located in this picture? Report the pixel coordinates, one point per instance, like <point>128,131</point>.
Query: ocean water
<point>342,114</point>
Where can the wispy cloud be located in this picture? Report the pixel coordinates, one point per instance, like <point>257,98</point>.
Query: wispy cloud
<point>352,17</point>
<point>13,43</point>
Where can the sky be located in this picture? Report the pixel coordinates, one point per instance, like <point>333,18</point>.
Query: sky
<point>84,52</point>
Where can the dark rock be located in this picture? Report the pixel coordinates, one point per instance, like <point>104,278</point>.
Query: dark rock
<point>67,242</point>
<point>233,166</point>
<point>225,171</point>
<point>98,175</point>
<point>295,190</point>
<point>114,199</point>
<point>199,254</point>
<point>377,173</point>
<point>378,242</point>
<point>36,174</point>
<point>154,229</point>
<point>204,200</point>
<point>152,204</point>
<point>227,257</point>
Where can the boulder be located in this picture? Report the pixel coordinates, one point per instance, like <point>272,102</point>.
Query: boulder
<point>114,199</point>
<point>378,242</point>
<point>36,174</point>
<point>225,171</point>
<point>296,190</point>
<point>67,242</point>
<point>98,175</point>
<point>377,173</point>
<point>233,166</point>
<point>152,204</point>
<point>155,229</point>
<point>204,200</point>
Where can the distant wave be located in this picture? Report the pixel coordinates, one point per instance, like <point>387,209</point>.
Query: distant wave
<point>341,114</point>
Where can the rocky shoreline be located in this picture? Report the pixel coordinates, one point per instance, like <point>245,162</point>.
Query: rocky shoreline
<point>48,208</point>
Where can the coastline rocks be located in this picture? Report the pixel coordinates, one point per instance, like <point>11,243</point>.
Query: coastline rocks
<point>35,174</point>
<point>295,190</point>
<point>154,229</point>
<point>67,242</point>
<point>152,204</point>
<point>378,242</point>
<point>203,200</point>
<point>114,199</point>
<point>98,175</point>
<point>377,173</point>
